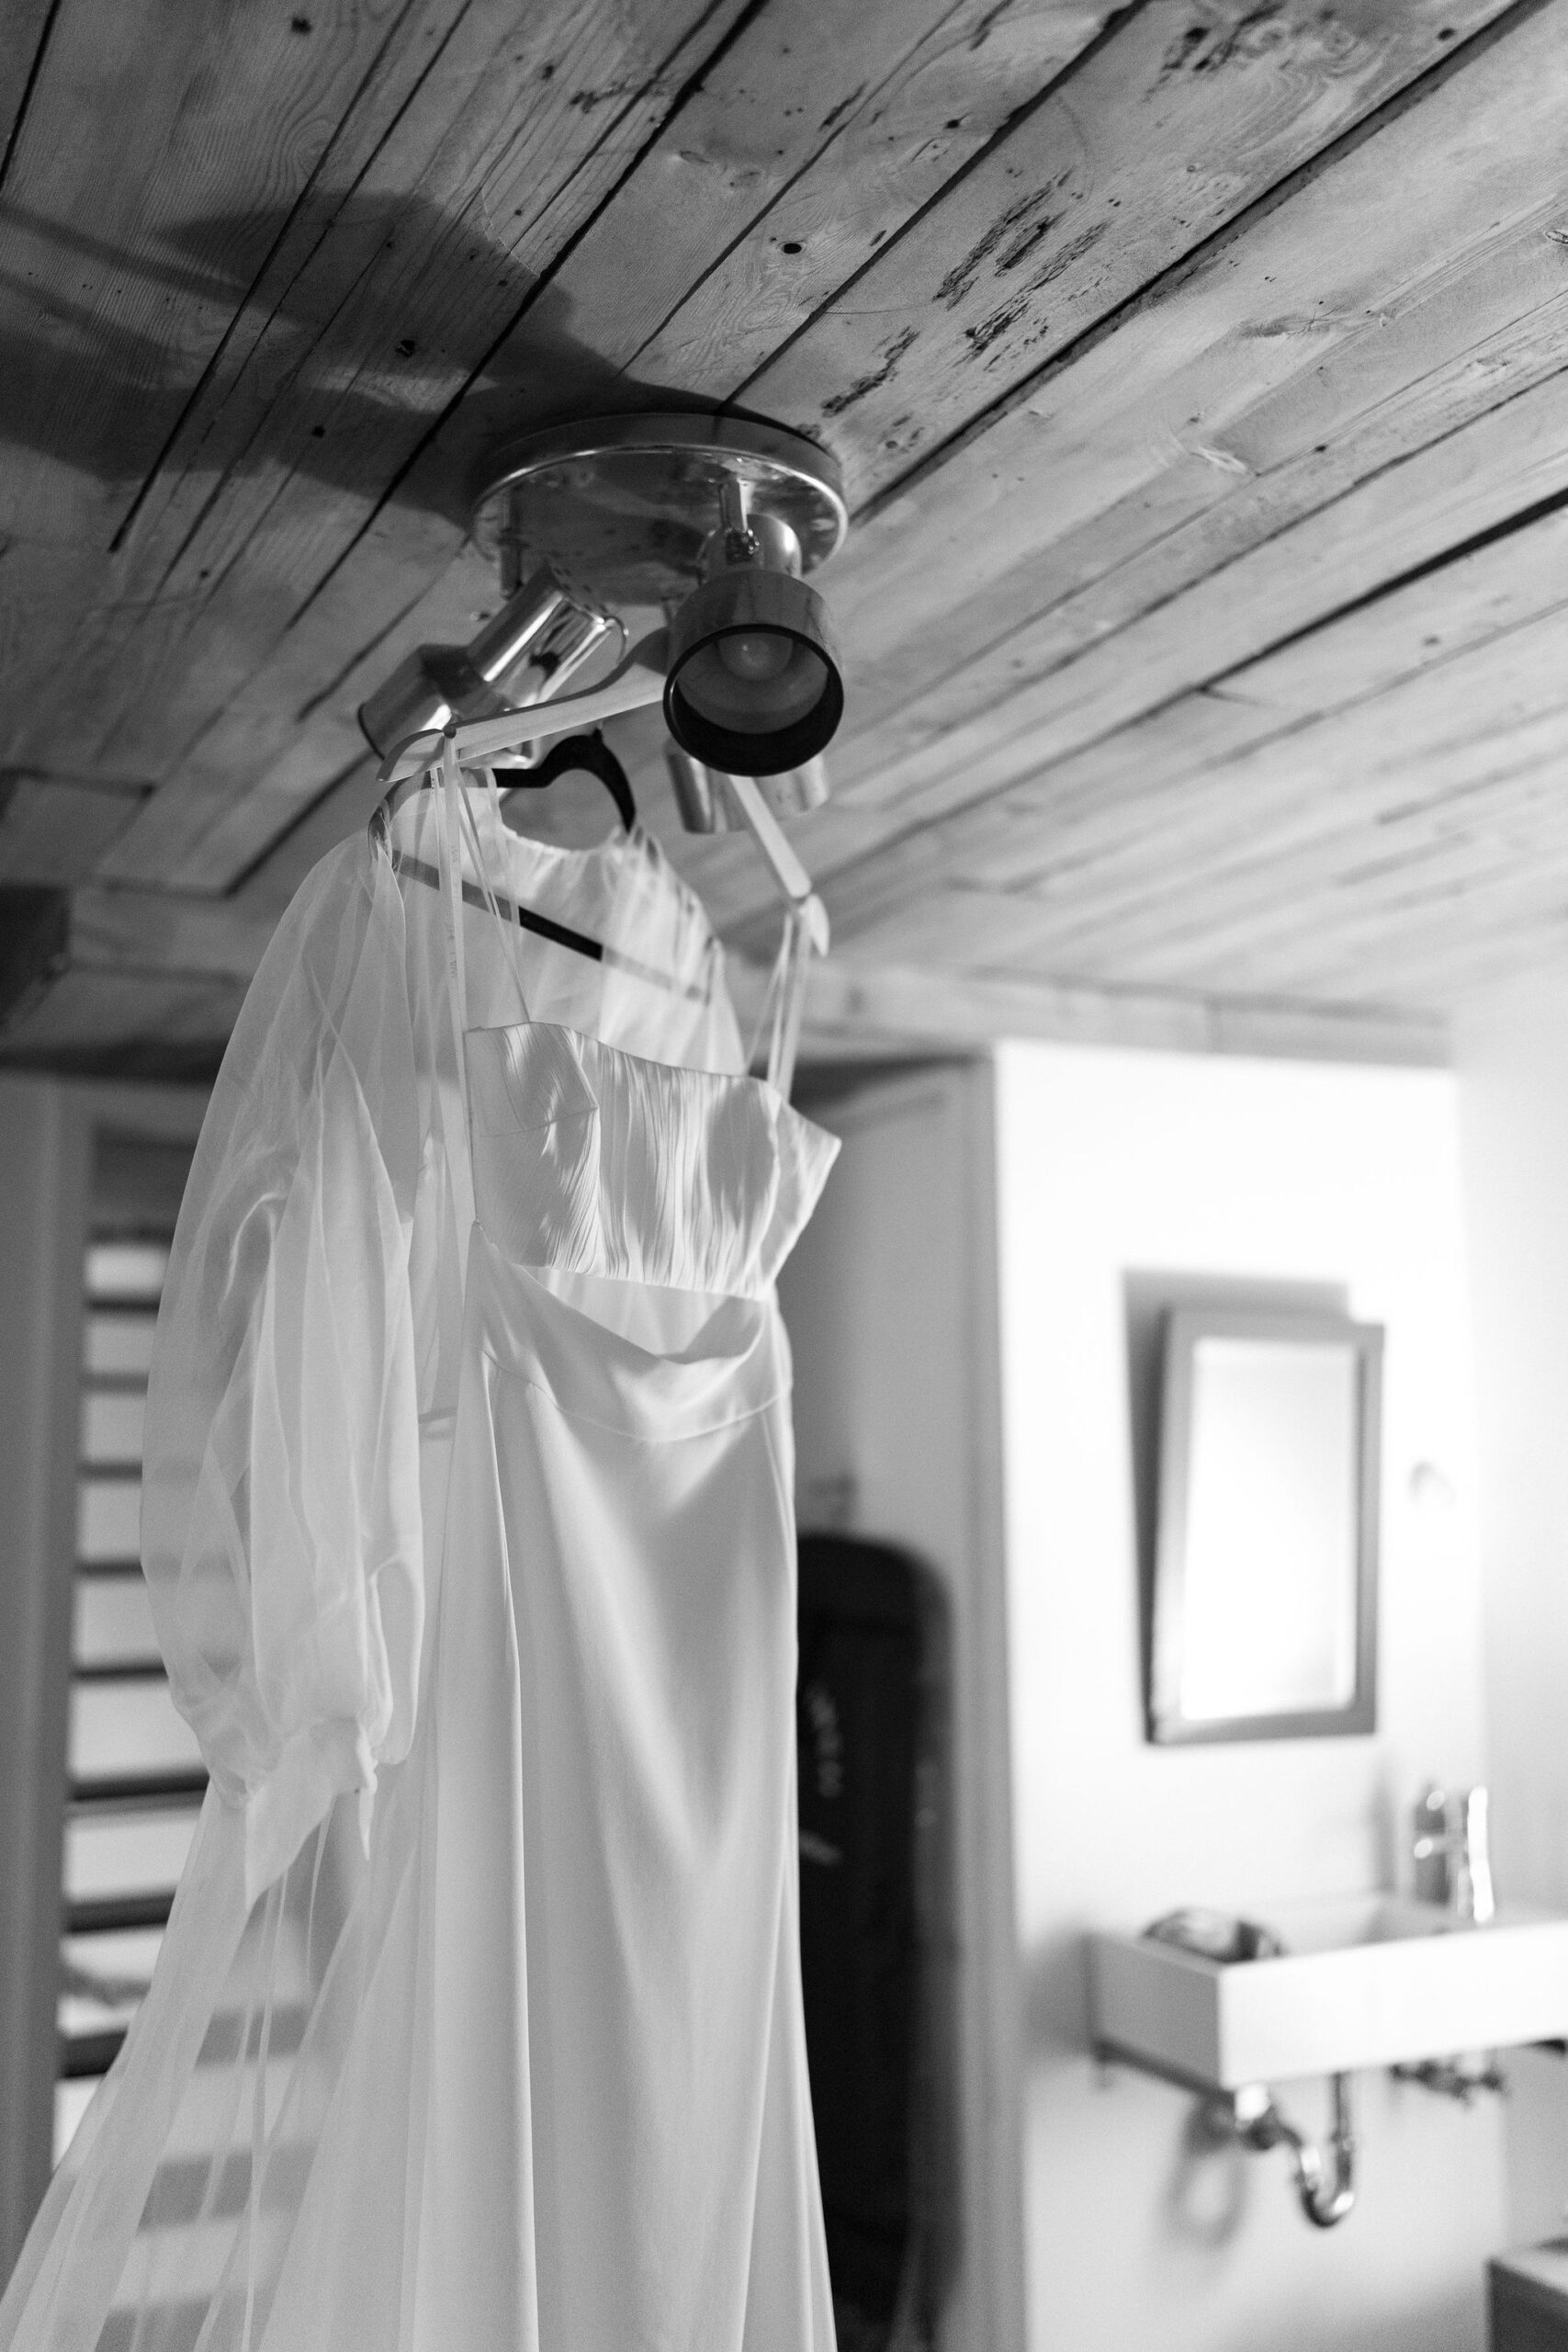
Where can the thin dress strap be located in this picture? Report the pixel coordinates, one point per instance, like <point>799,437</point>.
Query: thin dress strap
<point>482,875</point>
<point>448,840</point>
<point>454,818</point>
<point>783,1003</point>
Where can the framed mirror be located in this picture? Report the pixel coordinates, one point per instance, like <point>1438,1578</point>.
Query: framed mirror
<point>1263,1620</point>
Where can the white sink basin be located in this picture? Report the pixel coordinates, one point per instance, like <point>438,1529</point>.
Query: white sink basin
<point>1375,1982</point>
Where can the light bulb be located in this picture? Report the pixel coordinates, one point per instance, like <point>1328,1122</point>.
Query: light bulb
<point>755,655</point>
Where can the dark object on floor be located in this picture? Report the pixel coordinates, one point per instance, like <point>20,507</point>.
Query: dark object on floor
<point>856,1709</point>
<point>1526,2299</point>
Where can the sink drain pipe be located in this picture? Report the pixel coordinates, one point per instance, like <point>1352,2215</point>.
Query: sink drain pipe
<point>1327,2188</point>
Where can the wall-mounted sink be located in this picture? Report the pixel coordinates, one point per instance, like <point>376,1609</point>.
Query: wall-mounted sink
<point>1374,1981</point>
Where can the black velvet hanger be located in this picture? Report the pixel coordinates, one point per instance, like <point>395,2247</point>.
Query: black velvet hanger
<point>595,757</point>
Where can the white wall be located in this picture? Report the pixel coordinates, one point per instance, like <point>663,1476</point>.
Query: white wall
<point>1513,1063</point>
<point>890,1300</point>
<point>1110,1162</point>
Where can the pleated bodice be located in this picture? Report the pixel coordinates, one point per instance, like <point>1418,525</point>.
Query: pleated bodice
<point>591,1160</point>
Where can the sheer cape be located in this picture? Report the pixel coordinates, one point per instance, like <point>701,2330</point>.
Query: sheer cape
<point>299,1423</point>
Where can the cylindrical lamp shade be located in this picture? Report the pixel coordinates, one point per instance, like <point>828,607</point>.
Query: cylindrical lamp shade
<point>699,792</point>
<point>795,792</point>
<point>753,683</point>
<point>525,654</point>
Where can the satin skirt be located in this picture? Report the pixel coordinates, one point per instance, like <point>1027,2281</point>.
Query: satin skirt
<point>531,2074</point>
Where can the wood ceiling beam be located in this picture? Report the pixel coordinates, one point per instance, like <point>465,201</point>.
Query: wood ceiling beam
<point>859,1009</point>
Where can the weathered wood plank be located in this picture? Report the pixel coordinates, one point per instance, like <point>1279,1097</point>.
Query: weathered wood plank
<point>206,784</point>
<point>1090,883</point>
<point>1188,855</point>
<point>1468,942</point>
<point>1291,860</point>
<point>1427,738</point>
<point>1422,943</point>
<point>227,829</point>
<point>926,91</point>
<point>1376,936</point>
<point>162,150</point>
<point>853,1005</point>
<point>1182,119</point>
<point>1335,885</point>
<point>1206,752</point>
<point>1209,420</point>
<point>1231,894</point>
<point>207,227</point>
<point>765,127</point>
<point>21,57</point>
<point>1415,344</point>
<point>1404,518</point>
<point>371,329</point>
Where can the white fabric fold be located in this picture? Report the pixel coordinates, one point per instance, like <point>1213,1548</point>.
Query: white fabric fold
<point>281,1529</point>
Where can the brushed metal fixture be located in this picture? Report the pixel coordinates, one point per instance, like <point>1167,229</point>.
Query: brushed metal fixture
<point>700,795</point>
<point>626,507</point>
<point>1452,2078</point>
<point>542,637</point>
<point>1452,1852</point>
<point>706,807</point>
<point>713,520</point>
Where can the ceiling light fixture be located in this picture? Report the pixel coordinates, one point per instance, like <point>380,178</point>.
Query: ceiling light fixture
<point>711,523</point>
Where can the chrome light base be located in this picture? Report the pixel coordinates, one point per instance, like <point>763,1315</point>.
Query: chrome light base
<point>624,507</point>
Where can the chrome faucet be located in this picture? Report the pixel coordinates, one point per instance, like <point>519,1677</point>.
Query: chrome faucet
<point>1473,1898</point>
<point>1453,1861</point>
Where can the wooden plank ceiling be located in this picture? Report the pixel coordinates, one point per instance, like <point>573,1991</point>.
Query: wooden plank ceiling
<point>1199,370</point>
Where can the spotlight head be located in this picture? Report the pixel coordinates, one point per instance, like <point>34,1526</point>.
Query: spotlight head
<point>540,638</point>
<point>754,686</point>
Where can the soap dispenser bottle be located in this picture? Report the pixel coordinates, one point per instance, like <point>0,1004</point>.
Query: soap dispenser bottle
<point>1430,1845</point>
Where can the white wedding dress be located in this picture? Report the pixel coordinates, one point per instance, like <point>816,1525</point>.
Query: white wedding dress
<point>468,1523</point>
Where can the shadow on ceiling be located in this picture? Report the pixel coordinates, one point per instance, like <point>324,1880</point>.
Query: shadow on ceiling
<point>241,341</point>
